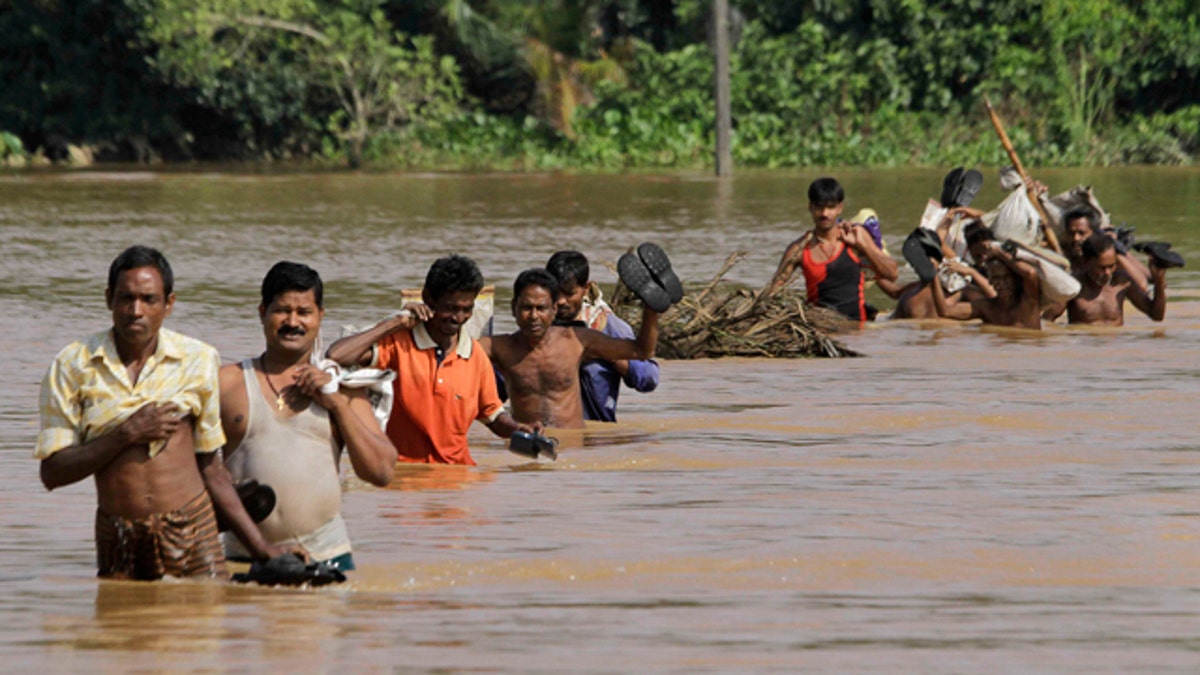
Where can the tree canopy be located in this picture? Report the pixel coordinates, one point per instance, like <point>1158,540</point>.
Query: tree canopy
<point>600,83</point>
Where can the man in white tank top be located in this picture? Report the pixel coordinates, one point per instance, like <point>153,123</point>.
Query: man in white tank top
<point>285,431</point>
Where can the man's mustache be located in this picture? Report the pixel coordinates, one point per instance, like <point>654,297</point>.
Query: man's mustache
<point>287,331</point>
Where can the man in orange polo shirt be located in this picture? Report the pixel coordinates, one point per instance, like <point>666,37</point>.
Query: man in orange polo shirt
<point>444,380</point>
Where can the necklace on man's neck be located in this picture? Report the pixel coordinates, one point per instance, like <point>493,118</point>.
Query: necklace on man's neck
<point>827,247</point>
<point>279,401</point>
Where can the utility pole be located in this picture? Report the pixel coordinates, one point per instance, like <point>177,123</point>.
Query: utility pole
<point>724,118</point>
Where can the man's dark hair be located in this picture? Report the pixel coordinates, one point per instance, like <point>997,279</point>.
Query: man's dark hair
<point>569,267</point>
<point>1096,244</point>
<point>535,277</point>
<point>826,191</point>
<point>975,231</point>
<point>141,256</point>
<point>452,274</point>
<point>290,276</point>
<point>1085,212</point>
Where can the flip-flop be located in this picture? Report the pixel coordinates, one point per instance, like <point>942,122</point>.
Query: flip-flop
<point>532,445</point>
<point>968,187</point>
<point>950,186</point>
<point>257,498</point>
<point>1160,253</point>
<point>637,277</point>
<point>290,569</point>
<point>660,266</point>
<point>916,252</point>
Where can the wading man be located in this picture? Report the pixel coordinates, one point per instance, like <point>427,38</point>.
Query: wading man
<point>1104,289</point>
<point>286,430</point>
<point>540,362</point>
<point>444,381</point>
<point>832,256</point>
<point>136,407</point>
<point>599,380</point>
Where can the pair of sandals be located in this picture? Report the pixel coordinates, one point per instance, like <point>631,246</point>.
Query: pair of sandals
<point>960,187</point>
<point>1160,253</point>
<point>919,247</point>
<point>290,569</point>
<point>533,445</point>
<point>257,498</point>
<point>649,275</point>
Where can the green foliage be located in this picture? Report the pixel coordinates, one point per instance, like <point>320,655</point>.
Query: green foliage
<point>11,145</point>
<point>606,84</point>
<point>342,57</point>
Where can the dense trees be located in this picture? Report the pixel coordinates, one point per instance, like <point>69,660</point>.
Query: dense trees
<point>608,83</point>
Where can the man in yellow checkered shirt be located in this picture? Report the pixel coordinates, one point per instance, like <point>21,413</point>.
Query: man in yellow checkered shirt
<point>137,408</point>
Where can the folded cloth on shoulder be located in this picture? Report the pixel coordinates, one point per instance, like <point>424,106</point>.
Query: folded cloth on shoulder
<point>377,381</point>
<point>1057,283</point>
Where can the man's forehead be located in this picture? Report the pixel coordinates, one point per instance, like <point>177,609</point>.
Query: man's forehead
<point>139,276</point>
<point>295,298</point>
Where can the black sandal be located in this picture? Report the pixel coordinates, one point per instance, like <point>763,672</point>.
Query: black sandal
<point>640,280</point>
<point>660,267</point>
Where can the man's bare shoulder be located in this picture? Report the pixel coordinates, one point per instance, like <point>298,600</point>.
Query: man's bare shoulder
<point>230,373</point>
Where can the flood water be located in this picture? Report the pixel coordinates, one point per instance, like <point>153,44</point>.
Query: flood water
<point>963,499</point>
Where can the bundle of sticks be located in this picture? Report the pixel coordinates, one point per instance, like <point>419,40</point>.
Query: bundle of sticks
<point>723,320</point>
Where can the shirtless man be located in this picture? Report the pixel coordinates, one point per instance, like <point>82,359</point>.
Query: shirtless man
<point>540,362</point>
<point>285,431</point>
<point>1018,289</point>
<point>915,300</point>
<point>1104,290</point>
<point>1083,222</point>
<point>136,407</point>
<point>832,255</point>
<point>600,381</point>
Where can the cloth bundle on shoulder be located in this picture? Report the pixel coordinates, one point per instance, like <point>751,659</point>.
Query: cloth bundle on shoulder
<point>1057,283</point>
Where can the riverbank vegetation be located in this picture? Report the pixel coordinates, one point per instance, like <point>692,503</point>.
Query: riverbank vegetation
<point>609,84</point>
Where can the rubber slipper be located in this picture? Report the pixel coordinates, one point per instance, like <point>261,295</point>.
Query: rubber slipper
<point>290,569</point>
<point>258,499</point>
<point>660,266</point>
<point>532,445</point>
<point>950,186</point>
<point>1160,254</point>
<point>637,277</point>
<point>968,187</point>
<point>917,253</point>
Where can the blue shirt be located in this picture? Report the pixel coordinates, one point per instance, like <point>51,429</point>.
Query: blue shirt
<point>599,382</point>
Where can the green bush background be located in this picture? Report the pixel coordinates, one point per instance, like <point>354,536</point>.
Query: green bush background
<point>549,84</point>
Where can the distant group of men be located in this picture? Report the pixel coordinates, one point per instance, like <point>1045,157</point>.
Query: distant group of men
<point>1004,287</point>
<point>167,433</point>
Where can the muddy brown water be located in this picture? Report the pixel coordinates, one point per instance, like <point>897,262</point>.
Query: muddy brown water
<point>964,499</point>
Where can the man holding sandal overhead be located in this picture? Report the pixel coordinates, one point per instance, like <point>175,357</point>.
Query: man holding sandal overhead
<point>541,361</point>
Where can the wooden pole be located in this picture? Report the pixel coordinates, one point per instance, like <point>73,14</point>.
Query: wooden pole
<point>724,118</point>
<point>1047,229</point>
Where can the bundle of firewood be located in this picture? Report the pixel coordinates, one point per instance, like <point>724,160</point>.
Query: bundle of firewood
<point>721,319</point>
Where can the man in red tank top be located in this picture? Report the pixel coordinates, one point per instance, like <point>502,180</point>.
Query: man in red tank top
<point>833,254</point>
